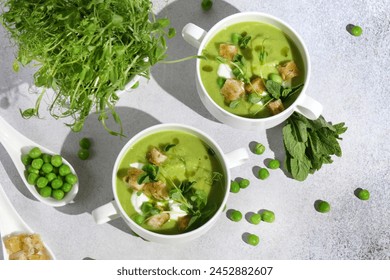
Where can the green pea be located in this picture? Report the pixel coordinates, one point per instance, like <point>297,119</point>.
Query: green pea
<point>207,4</point>
<point>263,173</point>
<point>322,206</point>
<point>45,192</point>
<point>356,30</point>
<point>32,178</point>
<point>33,170</point>
<point>56,160</point>
<point>66,187</point>
<point>71,179</point>
<point>26,160</point>
<point>42,182</point>
<point>255,219</point>
<point>221,81</point>
<point>274,164</point>
<point>363,194</point>
<point>51,176</point>
<point>46,158</point>
<point>276,78</point>
<point>83,154</point>
<point>235,216</point>
<point>236,38</point>
<point>64,170</point>
<point>234,187</point>
<point>37,163</point>
<point>244,183</point>
<point>85,143</point>
<point>268,216</point>
<point>139,219</point>
<point>57,183</point>
<point>35,153</point>
<point>47,168</point>
<point>58,194</point>
<point>259,149</point>
<point>253,239</point>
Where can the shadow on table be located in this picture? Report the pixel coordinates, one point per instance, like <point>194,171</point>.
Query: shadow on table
<point>179,79</point>
<point>275,142</point>
<point>95,173</point>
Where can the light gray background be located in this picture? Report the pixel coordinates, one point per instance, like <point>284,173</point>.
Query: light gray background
<point>350,78</point>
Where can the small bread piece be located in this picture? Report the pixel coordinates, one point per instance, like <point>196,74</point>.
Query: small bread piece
<point>276,106</point>
<point>156,157</point>
<point>157,190</point>
<point>233,89</point>
<point>288,70</point>
<point>228,51</point>
<point>256,86</point>
<point>132,178</point>
<point>158,220</point>
<point>182,222</point>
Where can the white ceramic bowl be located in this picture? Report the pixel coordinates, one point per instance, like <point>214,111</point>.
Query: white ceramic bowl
<point>304,104</point>
<point>113,209</point>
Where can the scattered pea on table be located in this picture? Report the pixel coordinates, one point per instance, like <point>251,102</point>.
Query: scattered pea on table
<point>274,164</point>
<point>255,219</point>
<point>244,183</point>
<point>268,216</point>
<point>253,239</point>
<point>263,173</point>
<point>356,30</point>
<point>234,187</point>
<point>363,194</point>
<point>235,216</point>
<point>259,149</point>
<point>322,206</point>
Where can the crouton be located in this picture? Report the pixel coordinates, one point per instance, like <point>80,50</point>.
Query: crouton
<point>288,70</point>
<point>156,221</point>
<point>132,177</point>
<point>227,51</point>
<point>182,222</point>
<point>256,86</point>
<point>157,190</point>
<point>276,106</point>
<point>232,89</point>
<point>156,157</point>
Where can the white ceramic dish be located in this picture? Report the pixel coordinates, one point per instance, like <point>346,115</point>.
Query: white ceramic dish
<point>304,104</point>
<point>113,209</point>
<point>11,223</point>
<point>17,144</point>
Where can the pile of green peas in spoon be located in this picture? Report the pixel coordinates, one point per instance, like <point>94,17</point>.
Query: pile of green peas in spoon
<point>48,174</point>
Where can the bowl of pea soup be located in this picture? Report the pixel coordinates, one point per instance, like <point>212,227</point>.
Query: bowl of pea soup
<point>254,71</point>
<point>170,183</point>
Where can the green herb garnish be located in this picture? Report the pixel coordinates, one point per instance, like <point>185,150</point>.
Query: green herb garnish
<point>244,41</point>
<point>168,147</point>
<point>86,51</point>
<point>309,144</point>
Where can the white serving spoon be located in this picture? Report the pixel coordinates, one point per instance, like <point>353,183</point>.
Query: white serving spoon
<point>11,223</point>
<point>17,144</point>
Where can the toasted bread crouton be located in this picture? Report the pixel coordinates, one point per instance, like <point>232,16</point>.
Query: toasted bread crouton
<point>232,89</point>
<point>227,51</point>
<point>158,220</point>
<point>157,190</point>
<point>156,157</point>
<point>256,86</point>
<point>132,177</point>
<point>182,222</point>
<point>288,70</point>
<point>276,106</point>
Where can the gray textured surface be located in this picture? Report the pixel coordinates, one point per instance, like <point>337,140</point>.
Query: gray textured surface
<point>350,78</point>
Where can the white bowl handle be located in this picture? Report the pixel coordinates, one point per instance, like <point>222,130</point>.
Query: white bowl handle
<point>106,213</point>
<point>236,158</point>
<point>193,34</point>
<point>309,107</point>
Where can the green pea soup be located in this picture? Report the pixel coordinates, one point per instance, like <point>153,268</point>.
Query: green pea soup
<point>190,159</point>
<point>267,48</point>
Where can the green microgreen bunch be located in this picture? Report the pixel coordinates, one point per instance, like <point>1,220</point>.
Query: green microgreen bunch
<point>86,51</point>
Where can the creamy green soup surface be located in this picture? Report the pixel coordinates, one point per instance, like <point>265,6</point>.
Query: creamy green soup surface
<point>253,70</point>
<point>170,182</point>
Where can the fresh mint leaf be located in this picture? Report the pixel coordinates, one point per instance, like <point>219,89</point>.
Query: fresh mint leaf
<point>273,88</point>
<point>295,148</point>
<point>300,168</point>
<point>234,103</point>
<point>254,98</point>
